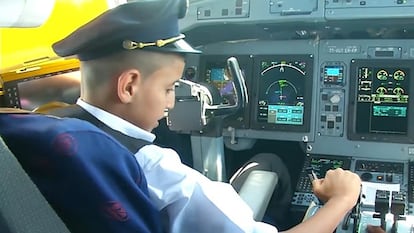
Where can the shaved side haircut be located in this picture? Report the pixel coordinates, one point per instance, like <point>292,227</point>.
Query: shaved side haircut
<point>100,71</point>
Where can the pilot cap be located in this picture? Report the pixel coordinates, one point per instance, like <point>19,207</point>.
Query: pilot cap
<point>143,24</point>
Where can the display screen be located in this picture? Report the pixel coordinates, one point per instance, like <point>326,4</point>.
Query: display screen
<point>333,75</point>
<point>382,104</point>
<point>37,91</point>
<point>215,75</point>
<point>319,164</point>
<point>284,87</point>
<point>221,79</point>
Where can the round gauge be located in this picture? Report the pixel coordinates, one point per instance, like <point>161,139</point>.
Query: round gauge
<point>399,75</point>
<point>398,91</point>
<point>282,83</point>
<point>381,90</point>
<point>282,92</point>
<point>382,75</point>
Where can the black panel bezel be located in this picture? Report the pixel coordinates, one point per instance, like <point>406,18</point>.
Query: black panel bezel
<point>352,133</point>
<point>308,90</point>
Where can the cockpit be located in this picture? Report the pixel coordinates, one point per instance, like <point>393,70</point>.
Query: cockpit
<point>322,84</point>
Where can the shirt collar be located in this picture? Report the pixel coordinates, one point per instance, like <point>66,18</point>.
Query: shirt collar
<point>116,123</point>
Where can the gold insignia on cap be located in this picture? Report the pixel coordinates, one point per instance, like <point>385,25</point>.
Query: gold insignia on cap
<point>129,44</point>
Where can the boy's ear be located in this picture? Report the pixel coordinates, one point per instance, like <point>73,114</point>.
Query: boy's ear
<point>128,83</point>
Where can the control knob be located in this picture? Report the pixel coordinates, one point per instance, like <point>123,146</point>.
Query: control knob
<point>366,176</point>
<point>335,99</point>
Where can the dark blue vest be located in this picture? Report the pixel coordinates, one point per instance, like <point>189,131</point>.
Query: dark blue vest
<point>92,181</point>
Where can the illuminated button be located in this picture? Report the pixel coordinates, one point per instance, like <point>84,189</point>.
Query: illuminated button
<point>380,178</point>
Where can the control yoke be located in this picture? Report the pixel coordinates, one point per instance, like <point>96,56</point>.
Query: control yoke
<point>195,107</point>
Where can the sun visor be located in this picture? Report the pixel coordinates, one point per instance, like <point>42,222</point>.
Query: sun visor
<point>24,13</point>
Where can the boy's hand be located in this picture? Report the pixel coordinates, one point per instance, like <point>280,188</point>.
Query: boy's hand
<point>342,186</point>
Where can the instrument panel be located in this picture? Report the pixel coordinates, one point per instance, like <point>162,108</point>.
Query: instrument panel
<point>348,101</point>
<point>340,97</point>
<point>319,164</point>
<point>335,76</point>
<point>386,194</point>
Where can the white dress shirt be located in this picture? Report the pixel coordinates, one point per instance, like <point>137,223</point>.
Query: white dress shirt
<point>189,202</point>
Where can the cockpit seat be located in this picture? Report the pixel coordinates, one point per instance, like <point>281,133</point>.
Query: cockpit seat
<point>92,182</point>
<point>23,209</point>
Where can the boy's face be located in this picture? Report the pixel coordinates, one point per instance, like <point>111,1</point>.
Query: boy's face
<point>157,93</point>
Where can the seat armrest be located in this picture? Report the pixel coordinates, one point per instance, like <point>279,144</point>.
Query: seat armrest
<point>257,191</point>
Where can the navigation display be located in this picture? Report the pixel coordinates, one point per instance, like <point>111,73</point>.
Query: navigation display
<point>284,92</point>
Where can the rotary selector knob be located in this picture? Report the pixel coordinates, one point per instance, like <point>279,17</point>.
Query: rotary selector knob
<point>366,176</point>
<point>335,99</point>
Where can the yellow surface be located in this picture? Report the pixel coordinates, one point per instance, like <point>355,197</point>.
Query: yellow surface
<point>19,45</point>
<point>40,69</point>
